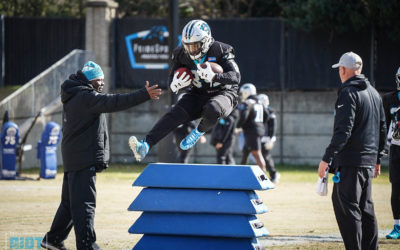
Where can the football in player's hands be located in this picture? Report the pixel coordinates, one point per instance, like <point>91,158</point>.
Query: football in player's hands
<point>182,78</point>
<point>183,70</point>
<point>216,68</point>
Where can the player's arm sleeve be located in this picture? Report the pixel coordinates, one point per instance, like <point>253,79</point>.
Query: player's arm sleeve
<point>231,73</point>
<point>271,124</point>
<point>344,122</point>
<point>382,134</point>
<point>175,65</point>
<point>244,112</point>
<point>107,103</point>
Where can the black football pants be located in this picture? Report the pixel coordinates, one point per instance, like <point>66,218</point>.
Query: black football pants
<point>225,154</point>
<point>77,208</point>
<point>354,208</point>
<point>184,155</point>
<point>269,162</point>
<point>394,176</point>
<point>191,107</point>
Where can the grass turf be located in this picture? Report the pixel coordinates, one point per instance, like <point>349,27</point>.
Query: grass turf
<point>28,207</point>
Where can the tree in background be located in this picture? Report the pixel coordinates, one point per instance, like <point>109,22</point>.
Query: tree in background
<point>43,8</point>
<point>337,16</point>
<point>201,9</point>
<point>340,16</point>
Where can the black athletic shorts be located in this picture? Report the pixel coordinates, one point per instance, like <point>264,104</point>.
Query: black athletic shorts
<point>394,164</point>
<point>252,142</point>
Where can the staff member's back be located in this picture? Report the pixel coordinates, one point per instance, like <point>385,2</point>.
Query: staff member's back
<point>358,138</point>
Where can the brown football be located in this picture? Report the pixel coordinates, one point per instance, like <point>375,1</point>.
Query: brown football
<point>216,68</point>
<point>186,70</point>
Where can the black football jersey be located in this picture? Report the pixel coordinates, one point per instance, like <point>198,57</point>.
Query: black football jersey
<point>391,104</point>
<point>253,115</point>
<point>220,53</point>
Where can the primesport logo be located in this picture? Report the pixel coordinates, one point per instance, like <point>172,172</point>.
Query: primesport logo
<point>148,49</point>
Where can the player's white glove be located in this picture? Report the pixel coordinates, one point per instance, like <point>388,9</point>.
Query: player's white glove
<point>206,74</point>
<point>269,142</point>
<point>265,139</point>
<point>181,82</point>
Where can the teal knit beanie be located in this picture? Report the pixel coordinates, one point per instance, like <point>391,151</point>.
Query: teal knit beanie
<point>92,70</point>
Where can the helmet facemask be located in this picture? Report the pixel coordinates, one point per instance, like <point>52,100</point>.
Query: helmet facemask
<point>193,49</point>
<point>196,39</point>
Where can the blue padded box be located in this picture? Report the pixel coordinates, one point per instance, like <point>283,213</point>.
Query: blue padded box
<point>217,176</point>
<point>215,225</point>
<point>198,201</point>
<point>157,242</point>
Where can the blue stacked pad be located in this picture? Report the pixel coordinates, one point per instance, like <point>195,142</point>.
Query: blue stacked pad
<point>196,206</point>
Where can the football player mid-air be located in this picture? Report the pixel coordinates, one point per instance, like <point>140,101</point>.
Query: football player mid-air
<point>210,96</point>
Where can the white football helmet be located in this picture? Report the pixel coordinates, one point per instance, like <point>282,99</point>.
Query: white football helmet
<point>196,38</point>
<point>264,100</point>
<point>247,90</point>
<point>398,79</point>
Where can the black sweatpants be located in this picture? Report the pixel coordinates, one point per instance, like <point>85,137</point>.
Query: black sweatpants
<point>225,154</point>
<point>354,208</point>
<point>77,209</point>
<point>191,107</point>
<point>394,176</point>
<point>269,162</point>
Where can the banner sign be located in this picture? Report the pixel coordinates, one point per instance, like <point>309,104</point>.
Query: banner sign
<point>148,49</point>
<point>142,51</point>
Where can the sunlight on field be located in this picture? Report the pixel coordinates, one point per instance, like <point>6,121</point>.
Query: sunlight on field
<point>28,207</point>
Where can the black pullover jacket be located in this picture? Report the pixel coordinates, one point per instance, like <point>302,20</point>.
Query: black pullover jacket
<point>359,128</point>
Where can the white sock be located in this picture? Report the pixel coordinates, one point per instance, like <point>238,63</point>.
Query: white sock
<point>397,222</point>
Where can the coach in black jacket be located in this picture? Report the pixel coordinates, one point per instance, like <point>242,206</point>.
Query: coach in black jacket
<point>85,151</point>
<point>358,139</point>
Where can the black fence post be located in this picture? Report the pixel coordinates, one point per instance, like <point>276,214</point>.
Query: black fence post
<point>168,141</point>
<point>282,87</point>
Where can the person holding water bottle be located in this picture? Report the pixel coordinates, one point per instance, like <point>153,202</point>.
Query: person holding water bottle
<point>355,150</point>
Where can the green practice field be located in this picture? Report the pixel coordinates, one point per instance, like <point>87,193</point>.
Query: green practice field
<point>298,218</point>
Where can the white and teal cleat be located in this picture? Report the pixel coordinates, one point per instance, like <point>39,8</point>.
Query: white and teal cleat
<point>395,234</point>
<point>139,148</point>
<point>190,140</point>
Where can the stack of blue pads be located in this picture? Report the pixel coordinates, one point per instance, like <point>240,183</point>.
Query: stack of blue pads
<point>199,206</point>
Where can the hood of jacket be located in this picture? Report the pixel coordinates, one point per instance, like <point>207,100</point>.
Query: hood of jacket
<point>358,81</point>
<point>74,84</point>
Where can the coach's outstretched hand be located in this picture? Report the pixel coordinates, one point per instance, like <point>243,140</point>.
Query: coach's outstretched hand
<point>153,91</point>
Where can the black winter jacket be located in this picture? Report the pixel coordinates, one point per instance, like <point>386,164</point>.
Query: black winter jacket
<point>85,139</point>
<point>359,128</point>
